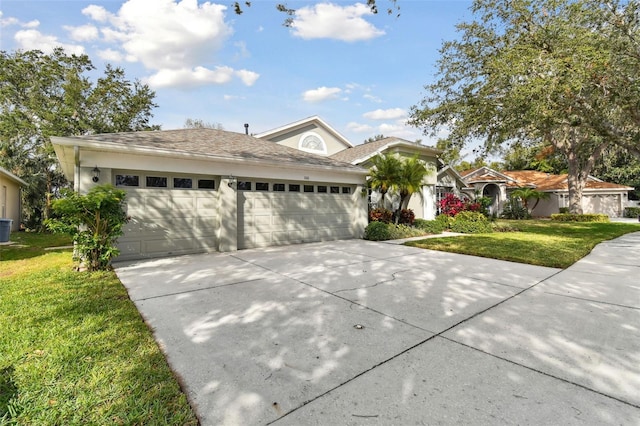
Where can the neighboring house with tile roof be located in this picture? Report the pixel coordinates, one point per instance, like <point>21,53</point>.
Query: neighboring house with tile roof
<point>10,198</point>
<point>597,196</point>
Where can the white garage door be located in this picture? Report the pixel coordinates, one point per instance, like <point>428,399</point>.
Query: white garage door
<point>608,204</point>
<point>277,213</point>
<point>168,220</point>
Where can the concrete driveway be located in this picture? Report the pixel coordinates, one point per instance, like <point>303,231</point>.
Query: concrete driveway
<point>358,332</point>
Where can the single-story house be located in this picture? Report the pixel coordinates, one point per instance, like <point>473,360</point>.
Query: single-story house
<point>198,190</point>
<point>597,196</point>
<point>10,200</point>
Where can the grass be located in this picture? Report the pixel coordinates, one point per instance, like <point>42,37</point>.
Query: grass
<point>73,347</point>
<point>537,242</point>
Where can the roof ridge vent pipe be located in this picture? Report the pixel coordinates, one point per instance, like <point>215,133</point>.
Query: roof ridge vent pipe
<point>246,129</point>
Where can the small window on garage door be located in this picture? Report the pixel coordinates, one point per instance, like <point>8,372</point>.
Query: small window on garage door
<point>156,182</point>
<point>206,184</point>
<point>183,183</point>
<point>127,180</point>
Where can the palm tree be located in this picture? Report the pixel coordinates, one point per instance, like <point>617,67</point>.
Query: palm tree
<point>404,176</point>
<point>526,194</point>
<point>384,174</point>
<point>412,174</point>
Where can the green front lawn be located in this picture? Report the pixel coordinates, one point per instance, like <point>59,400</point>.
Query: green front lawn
<point>73,347</point>
<point>537,242</point>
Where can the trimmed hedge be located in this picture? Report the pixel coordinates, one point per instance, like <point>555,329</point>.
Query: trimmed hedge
<point>468,222</point>
<point>379,231</point>
<point>430,226</point>
<point>633,212</point>
<point>569,217</point>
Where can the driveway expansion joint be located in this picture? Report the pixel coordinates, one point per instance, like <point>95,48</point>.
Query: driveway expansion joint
<point>535,370</point>
<point>160,296</point>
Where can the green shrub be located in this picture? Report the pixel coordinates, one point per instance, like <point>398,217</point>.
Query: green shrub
<point>430,226</point>
<point>380,215</point>
<point>445,221</point>
<point>633,212</point>
<point>513,209</point>
<point>504,227</point>
<point>407,216</point>
<point>468,222</point>
<point>377,231</point>
<point>95,221</point>
<point>569,217</point>
<point>563,209</point>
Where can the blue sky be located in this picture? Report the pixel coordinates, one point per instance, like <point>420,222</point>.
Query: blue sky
<point>358,71</point>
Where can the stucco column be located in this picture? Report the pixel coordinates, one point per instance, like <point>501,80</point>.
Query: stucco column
<point>228,213</point>
<point>429,201</point>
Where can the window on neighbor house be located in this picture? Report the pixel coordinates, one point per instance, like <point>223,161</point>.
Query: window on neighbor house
<point>346,190</point>
<point>278,187</point>
<point>308,188</point>
<point>294,187</point>
<point>262,186</point>
<point>322,189</point>
<point>334,189</point>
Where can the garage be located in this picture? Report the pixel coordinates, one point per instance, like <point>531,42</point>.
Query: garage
<point>203,190</point>
<point>277,213</point>
<point>169,214</point>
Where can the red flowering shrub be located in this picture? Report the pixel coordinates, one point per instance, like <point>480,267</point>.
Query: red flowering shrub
<point>451,205</point>
<point>380,215</point>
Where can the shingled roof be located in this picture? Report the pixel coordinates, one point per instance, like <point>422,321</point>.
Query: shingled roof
<point>213,143</point>
<point>364,151</point>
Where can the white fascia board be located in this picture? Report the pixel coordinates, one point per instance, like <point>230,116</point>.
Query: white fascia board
<point>155,152</point>
<point>11,176</point>
<point>291,126</point>
<point>417,148</point>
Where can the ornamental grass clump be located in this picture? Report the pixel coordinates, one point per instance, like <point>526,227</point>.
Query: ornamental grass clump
<point>94,221</point>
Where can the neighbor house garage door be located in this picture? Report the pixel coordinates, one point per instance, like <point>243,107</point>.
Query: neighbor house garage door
<point>169,215</point>
<point>608,204</point>
<point>277,213</point>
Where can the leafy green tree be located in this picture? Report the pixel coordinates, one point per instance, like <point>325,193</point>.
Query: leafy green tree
<point>536,156</point>
<point>44,95</point>
<point>95,222</point>
<point>374,138</point>
<point>619,166</point>
<point>558,72</point>
<point>198,123</point>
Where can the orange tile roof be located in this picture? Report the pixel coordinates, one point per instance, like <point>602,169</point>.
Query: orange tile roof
<point>542,181</point>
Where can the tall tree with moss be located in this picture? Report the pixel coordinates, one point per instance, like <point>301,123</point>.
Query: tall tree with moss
<point>559,72</point>
<point>44,95</point>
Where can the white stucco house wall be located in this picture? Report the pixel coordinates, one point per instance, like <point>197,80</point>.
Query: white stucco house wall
<point>199,190</point>
<point>597,197</point>
<point>10,197</point>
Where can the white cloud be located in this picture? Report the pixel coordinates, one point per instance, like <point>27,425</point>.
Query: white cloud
<point>321,94</point>
<point>186,77</point>
<point>359,128</point>
<point>97,13</point>
<point>386,114</point>
<point>34,39</point>
<point>177,39</point>
<point>110,55</point>
<point>82,33</point>
<point>372,98</point>
<point>327,20</point>
<point>247,77</point>
<point>6,22</point>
